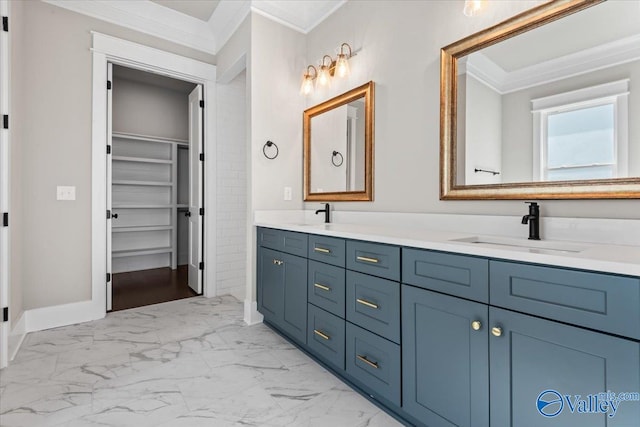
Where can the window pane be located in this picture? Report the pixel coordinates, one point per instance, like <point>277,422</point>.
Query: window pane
<point>572,174</point>
<point>581,137</point>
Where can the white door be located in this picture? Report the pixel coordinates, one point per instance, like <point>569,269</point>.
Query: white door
<point>195,189</point>
<point>109,163</point>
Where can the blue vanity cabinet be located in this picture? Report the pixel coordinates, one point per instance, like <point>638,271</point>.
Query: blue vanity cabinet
<point>445,359</point>
<point>282,283</point>
<point>326,287</point>
<point>532,356</point>
<point>325,336</point>
<point>373,363</point>
<point>375,259</point>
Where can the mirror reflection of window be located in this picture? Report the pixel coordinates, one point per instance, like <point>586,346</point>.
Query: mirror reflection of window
<point>582,135</point>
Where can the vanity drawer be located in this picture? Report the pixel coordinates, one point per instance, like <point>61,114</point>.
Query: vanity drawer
<point>327,287</point>
<point>284,241</point>
<point>327,249</point>
<point>374,258</point>
<point>605,302</point>
<point>374,362</point>
<point>325,336</point>
<point>458,275</point>
<point>374,304</point>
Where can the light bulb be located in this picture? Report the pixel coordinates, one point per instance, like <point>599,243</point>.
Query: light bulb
<point>324,77</point>
<point>471,7</point>
<point>342,66</point>
<point>307,85</point>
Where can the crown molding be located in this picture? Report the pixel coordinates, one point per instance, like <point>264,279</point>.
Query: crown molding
<point>585,61</point>
<point>149,18</point>
<point>153,19</point>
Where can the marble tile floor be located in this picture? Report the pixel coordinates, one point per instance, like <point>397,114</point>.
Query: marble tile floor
<point>191,362</point>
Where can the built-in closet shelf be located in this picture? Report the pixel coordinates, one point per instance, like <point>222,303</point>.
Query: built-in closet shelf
<point>142,206</point>
<point>147,183</point>
<point>148,138</point>
<point>140,252</point>
<point>141,160</point>
<point>142,228</point>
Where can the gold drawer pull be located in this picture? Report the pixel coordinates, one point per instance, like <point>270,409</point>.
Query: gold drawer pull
<point>278,262</point>
<point>367,259</point>
<point>321,334</point>
<point>367,361</point>
<point>323,250</point>
<point>367,303</point>
<point>323,287</point>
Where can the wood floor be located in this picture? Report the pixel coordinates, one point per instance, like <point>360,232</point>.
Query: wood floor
<point>139,288</point>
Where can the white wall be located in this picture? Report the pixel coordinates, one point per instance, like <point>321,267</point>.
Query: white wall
<point>231,194</point>
<point>145,109</point>
<point>54,89</point>
<point>401,42</point>
<point>483,133</point>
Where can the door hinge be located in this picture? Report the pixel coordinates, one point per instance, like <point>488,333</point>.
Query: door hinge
<point>5,314</point>
<point>5,219</point>
<point>201,104</point>
<point>5,121</point>
<point>202,157</point>
<point>201,211</point>
<point>108,214</point>
<point>5,23</point>
<point>108,84</point>
<point>108,149</point>
<point>108,277</point>
<point>201,266</point>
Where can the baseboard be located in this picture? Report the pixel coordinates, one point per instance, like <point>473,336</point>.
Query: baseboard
<point>17,336</point>
<point>39,319</point>
<point>251,314</point>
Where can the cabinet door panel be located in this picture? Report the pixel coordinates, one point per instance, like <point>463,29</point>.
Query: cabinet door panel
<point>534,355</point>
<point>294,313</point>
<point>270,284</point>
<point>325,337</point>
<point>445,367</point>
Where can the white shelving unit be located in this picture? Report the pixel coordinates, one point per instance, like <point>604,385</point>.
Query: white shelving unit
<point>145,201</point>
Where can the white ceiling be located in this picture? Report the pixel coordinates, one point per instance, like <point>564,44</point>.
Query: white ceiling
<point>205,25</point>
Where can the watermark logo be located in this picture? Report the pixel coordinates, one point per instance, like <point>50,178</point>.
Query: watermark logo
<point>550,403</point>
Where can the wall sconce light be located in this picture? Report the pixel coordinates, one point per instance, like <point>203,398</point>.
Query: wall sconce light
<point>471,7</point>
<point>328,69</point>
<point>307,80</point>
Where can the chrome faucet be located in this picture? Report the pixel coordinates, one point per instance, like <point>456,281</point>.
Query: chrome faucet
<point>327,220</point>
<point>533,219</point>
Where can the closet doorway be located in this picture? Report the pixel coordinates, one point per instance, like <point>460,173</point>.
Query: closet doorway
<point>154,188</point>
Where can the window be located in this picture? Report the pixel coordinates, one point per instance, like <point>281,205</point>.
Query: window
<point>582,134</point>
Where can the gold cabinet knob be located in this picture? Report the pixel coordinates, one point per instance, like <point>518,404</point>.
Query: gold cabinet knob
<point>496,331</point>
<point>476,325</point>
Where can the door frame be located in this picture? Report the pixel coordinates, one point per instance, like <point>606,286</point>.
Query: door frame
<point>5,180</point>
<point>133,55</point>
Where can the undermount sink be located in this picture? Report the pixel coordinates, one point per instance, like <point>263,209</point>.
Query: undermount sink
<point>534,246</point>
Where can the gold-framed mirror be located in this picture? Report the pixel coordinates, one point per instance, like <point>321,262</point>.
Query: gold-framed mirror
<point>541,106</point>
<point>338,147</point>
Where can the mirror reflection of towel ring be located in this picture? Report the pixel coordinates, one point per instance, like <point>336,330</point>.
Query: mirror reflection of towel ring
<point>270,144</point>
<point>333,158</point>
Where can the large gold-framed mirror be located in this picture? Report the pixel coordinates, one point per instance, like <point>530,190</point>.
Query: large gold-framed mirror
<point>338,147</point>
<point>541,106</point>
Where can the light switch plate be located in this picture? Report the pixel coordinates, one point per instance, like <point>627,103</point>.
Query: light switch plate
<point>287,193</point>
<point>66,192</point>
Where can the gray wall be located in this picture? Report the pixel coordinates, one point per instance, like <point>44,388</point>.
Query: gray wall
<point>54,93</point>
<point>150,110</point>
<point>401,42</point>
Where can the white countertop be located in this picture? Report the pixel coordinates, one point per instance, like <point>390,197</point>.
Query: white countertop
<point>619,259</point>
